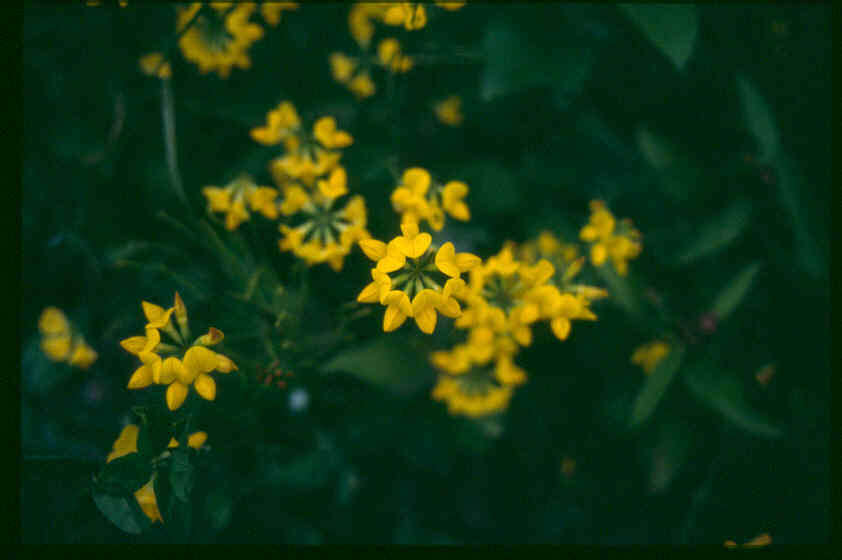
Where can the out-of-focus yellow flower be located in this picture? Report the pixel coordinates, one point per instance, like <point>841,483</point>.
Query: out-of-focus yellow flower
<point>162,364</point>
<point>390,56</point>
<point>450,6</point>
<point>760,540</point>
<point>145,497</point>
<point>649,355</point>
<point>474,395</point>
<point>449,111</point>
<point>324,231</point>
<point>234,198</point>
<point>281,123</point>
<point>412,15</point>
<point>360,18</point>
<point>61,343</point>
<point>271,11</point>
<point>419,198</point>
<point>220,37</point>
<point>154,64</point>
<point>194,440</point>
<point>620,244</point>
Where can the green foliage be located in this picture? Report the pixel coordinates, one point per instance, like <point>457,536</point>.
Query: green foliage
<point>655,387</point>
<point>672,28</point>
<point>734,292</point>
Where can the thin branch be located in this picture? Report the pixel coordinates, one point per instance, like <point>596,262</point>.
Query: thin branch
<point>168,114</point>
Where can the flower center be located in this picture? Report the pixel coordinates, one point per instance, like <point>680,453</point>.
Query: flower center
<point>418,274</point>
<point>213,32</point>
<point>477,382</point>
<point>502,292</point>
<point>322,223</point>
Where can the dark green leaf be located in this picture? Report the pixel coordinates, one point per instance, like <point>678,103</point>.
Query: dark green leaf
<point>656,386</point>
<point>125,474</point>
<point>718,233</point>
<point>723,392</point>
<point>758,118</point>
<point>389,361</point>
<point>734,293</point>
<point>672,28</point>
<point>670,452</point>
<point>182,474</point>
<point>219,505</point>
<point>122,510</point>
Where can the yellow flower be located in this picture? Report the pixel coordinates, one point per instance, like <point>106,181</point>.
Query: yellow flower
<point>271,11</point>
<point>232,200</point>
<point>325,131</point>
<point>362,85</point>
<point>452,196</point>
<point>419,198</point>
<point>649,355</point>
<point>760,540</point>
<point>220,37</point>
<point>449,110</point>
<point>281,122</point>
<point>342,67</point>
<point>390,56</point>
<point>154,64</point>
<point>59,341</point>
<point>179,373</point>
<point>411,15</point>
<point>473,394</point>
<point>450,6</point>
<point>618,244</point>
<point>426,283</point>
<point>359,20</point>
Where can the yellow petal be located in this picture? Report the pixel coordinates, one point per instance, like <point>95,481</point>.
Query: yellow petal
<point>126,443</point>
<point>205,386</point>
<point>142,377</point>
<point>199,359</point>
<point>134,344</point>
<point>449,308</point>
<point>467,261</point>
<point>172,444</point>
<point>598,254</point>
<point>426,320</point>
<point>225,364</point>
<point>393,318</point>
<point>336,185</point>
<point>446,260</point>
<point>157,316</point>
<point>173,369</point>
<point>57,348</point>
<point>214,336</point>
<point>373,249</point>
<point>83,356</point>
<point>176,394</point>
<point>145,497</point>
<point>53,322</point>
<point>197,439</point>
<point>370,294</point>
<point>560,327</point>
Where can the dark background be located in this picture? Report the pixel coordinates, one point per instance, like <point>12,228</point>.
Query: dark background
<point>554,99</point>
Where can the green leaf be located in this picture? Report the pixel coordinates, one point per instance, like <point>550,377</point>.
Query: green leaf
<point>492,183</point>
<point>669,454</point>
<point>734,293</point>
<point>515,63</point>
<point>718,233</point>
<point>182,474</point>
<point>125,474</point>
<point>679,173</point>
<point>656,386</point>
<point>219,506</point>
<point>723,392</point>
<point>621,290</point>
<point>123,511</point>
<point>672,28</point>
<point>389,361</point>
<point>758,118</point>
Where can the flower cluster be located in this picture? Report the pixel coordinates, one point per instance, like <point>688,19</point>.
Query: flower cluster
<point>61,343</point>
<point>649,355</point>
<point>425,280</point>
<point>126,444</point>
<point>234,198</point>
<point>420,198</point>
<point>177,364</point>
<point>506,295</point>
<point>220,36</point>
<point>618,241</point>
<point>323,219</point>
<point>355,72</point>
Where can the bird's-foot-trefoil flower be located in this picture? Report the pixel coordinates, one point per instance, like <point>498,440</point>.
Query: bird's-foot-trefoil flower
<point>649,355</point>
<point>61,343</point>
<point>271,11</point>
<point>177,364</point>
<point>619,242</point>
<point>240,195</point>
<point>412,279</point>
<point>419,198</point>
<point>449,110</point>
<point>320,228</point>
<point>219,37</point>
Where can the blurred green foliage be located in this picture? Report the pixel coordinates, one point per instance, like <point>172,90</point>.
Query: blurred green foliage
<point>708,125</point>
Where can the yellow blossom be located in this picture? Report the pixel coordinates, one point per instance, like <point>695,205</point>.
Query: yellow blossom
<point>154,64</point>
<point>390,56</point>
<point>220,37</point>
<point>449,111</point>
<point>271,11</point>
<point>649,355</point>
<point>281,122</point>
<point>618,244</point>
<point>234,198</point>
<point>411,15</point>
<point>61,343</point>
